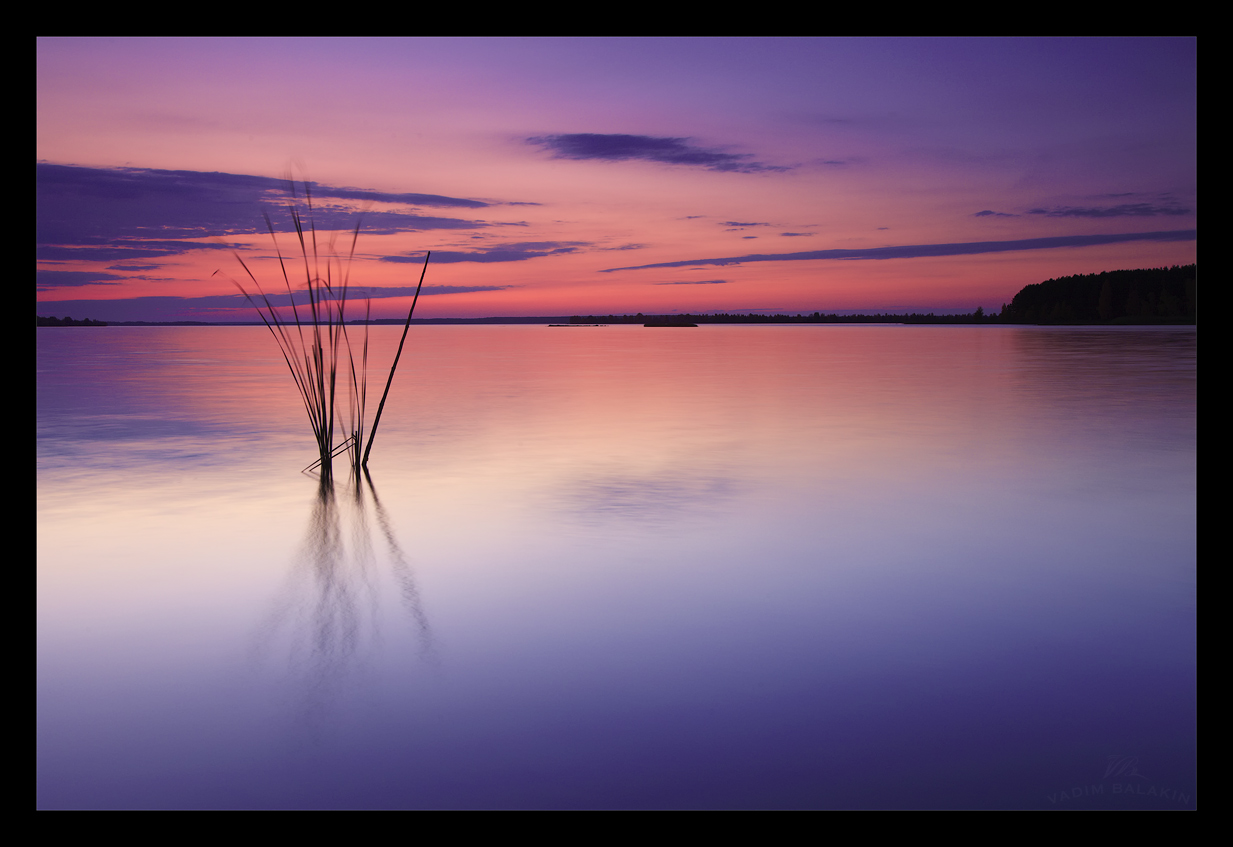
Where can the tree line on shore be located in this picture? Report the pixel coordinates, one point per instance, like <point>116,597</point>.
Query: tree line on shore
<point>49,321</point>
<point>1147,295</point>
<point>1143,296</point>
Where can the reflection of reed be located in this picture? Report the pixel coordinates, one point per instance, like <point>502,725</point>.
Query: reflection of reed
<point>660,498</point>
<point>404,575</point>
<point>331,609</point>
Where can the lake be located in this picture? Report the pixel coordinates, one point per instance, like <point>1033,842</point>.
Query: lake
<point>724,567</point>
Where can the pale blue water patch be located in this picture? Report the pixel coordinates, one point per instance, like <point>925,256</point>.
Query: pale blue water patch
<point>730,567</point>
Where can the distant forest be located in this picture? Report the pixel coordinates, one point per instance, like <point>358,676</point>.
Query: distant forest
<point>42,321</point>
<point>1145,296</point>
<point>1151,295</point>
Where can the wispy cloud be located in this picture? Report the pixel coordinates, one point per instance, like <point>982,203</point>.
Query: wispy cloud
<point>695,282</point>
<point>927,250</point>
<point>232,307</point>
<point>990,213</point>
<point>119,249</point>
<point>499,253</point>
<point>405,199</point>
<point>355,294</point>
<point>1122,210</point>
<point>670,151</point>
<point>48,280</point>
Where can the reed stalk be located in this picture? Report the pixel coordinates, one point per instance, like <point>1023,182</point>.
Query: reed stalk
<point>313,338</point>
<point>397,356</point>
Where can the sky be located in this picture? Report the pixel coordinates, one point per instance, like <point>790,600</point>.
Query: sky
<point>608,175</point>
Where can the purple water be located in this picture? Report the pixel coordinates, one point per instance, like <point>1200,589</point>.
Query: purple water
<point>771,567</point>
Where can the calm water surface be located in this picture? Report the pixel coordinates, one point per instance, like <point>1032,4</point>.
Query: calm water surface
<point>724,567</point>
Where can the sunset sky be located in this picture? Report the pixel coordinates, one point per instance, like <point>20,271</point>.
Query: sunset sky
<point>596,176</point>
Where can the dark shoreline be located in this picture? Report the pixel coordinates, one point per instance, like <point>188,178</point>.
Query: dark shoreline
<point>1141,297</point>
<point>666,320</point>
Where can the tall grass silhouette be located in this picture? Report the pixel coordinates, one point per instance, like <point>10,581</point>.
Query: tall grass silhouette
<point>314,340</point>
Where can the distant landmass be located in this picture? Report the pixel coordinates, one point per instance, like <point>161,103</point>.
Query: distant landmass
<point>42,321</point>
<point>1150,295</point>
<point>1143,296</point>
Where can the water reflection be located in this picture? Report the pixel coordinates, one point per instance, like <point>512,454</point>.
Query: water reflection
<point>326,625</point>
<point>659,498</point>
<point>960,559</point>
<point>403,573</point>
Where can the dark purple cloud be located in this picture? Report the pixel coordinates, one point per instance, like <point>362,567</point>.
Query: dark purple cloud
<point>500,253</point>
<point>1122,210</point>
<point>47,280</point>
<point>322,191</point>
<point>670,151</point>
<point>102,214</point>
<point>207,308</point>
<point>118,250</point>
<point>926,250</point>
<point>355,294</point>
